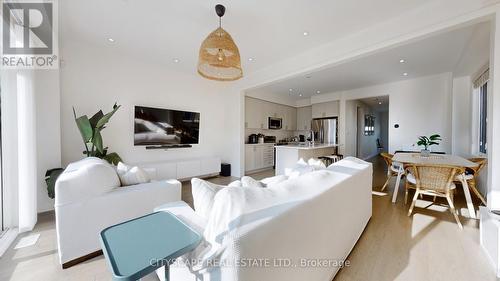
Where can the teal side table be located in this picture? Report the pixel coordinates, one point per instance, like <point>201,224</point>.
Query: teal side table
<point>135,248</point>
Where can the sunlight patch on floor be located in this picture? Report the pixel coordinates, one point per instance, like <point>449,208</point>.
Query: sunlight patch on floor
<point>378,193</point>
<point>419,223</point>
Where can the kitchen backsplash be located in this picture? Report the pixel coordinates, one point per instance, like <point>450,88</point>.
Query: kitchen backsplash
<point>279,134</point>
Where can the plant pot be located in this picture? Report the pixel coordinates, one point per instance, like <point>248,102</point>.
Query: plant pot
<point>425,153</point>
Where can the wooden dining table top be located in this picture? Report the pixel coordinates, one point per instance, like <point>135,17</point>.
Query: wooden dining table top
<point>433,159</point>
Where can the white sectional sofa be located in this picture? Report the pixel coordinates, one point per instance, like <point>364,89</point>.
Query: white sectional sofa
<point>281,232</point>
<point>89,198</point>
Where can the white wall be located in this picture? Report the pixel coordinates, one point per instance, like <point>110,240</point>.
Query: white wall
<point>357,144</point>
<point>94,78</point>
<point>367,145</point>
<point>421,106</point>
<point>462,116</point>
<point>48,131</point>
<point>384,129</point>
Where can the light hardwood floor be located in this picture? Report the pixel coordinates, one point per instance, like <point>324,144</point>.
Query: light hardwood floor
<point>426,246</point>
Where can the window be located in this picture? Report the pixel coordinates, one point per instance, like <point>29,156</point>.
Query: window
<point>483,117</point>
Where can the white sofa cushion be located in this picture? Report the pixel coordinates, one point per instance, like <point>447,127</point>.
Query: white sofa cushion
<point>131,175</point>
<point>203,196</point>
<point>85,161</point>
<point>91,179</point>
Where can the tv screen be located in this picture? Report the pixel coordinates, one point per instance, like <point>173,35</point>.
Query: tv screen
<point>156,126</point>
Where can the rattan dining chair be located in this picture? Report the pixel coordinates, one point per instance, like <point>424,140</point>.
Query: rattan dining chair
<point>471,174</point>
<point>436,180</point>
<point>392,171</point>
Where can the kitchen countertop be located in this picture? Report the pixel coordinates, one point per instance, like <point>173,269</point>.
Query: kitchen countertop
<point>306,146</point>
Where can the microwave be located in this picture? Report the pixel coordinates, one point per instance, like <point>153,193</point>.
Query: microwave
<point>274,123</point>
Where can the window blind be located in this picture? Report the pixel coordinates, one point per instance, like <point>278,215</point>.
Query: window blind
<point>482,79</point>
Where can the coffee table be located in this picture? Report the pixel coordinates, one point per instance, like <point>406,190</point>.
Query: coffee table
<point>136,248</point>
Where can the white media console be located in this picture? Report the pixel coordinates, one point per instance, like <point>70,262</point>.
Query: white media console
<point>183,169</point>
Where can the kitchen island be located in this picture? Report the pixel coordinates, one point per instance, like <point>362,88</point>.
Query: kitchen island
<point>288,155</point>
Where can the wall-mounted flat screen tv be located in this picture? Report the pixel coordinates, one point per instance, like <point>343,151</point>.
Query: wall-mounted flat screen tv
<point>157,126</point>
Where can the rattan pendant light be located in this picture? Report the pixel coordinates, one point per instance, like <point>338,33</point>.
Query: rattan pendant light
<point>219,58</point>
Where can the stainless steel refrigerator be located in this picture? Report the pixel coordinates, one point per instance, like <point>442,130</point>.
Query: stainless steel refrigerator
<point>325,130</point>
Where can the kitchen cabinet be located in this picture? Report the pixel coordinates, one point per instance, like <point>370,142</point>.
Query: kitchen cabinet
<point>304,116</point>
<point>258,111</point>
<point>259,156</point>
<point>325,109</point>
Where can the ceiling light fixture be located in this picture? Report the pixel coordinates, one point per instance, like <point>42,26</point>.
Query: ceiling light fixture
<point>219,57</point>
<point>300,95</point>
<point>176,60</point>
<point>250,59</point>
<point>379,102</point>
<point>305,33</point>
<point>111,40</point>
<point>290,89</point>
<point>402,61</point>
<point>318,92</point>
<point>405,74</point>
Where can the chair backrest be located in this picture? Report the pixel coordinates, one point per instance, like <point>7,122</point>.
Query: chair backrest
<point>435,177</point>
<point>387,158</point>
<point>481,163</point>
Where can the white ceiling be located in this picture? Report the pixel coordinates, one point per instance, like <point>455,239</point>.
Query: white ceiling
<point>377,103</point>
<point>438,54</point>
<point>268,31</point>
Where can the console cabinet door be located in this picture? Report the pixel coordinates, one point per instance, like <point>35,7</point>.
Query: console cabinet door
<point>188,169</point>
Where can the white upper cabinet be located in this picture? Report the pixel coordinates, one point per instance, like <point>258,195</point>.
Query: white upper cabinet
<point>325,109</point>
<point>304,116</point>
<point>258,111</point>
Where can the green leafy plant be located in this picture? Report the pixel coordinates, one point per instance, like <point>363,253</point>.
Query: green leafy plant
<point>90,129</point>
<point>428,141</point>
<point>51,178</point>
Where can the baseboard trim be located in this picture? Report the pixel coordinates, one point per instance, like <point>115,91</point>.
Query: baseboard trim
<point>81,259</point>
<point>6,240</point>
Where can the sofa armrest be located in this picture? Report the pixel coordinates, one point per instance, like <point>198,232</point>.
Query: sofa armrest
<point>185,213</point>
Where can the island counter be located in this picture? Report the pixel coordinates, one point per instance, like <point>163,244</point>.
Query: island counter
<point>288,155</point>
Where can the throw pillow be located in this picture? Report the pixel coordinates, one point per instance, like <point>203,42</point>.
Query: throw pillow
<point>236,183</point>
<point>203,196</point>
<point>271,181</point>
<point>131,175</point>
<point>251,182</point>
<point>316,164</point>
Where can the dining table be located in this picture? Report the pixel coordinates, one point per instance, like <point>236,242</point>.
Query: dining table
<point>401,158</point>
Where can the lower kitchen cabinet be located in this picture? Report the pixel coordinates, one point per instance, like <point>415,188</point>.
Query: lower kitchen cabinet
<point>259,156</point>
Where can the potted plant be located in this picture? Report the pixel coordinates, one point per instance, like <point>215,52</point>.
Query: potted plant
<point>426,142</point>
<point>90,129</point>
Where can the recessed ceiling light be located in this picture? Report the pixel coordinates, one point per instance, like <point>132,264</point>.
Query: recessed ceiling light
<point>250,59</point>
<point>305,33</point>
<point>176,60</point>
<point>318,92</point>
<point>379,102</point>
<point>300,95</point>
<point>290,89</point>
<point>111,40</point>
<point>402,61</point>
<point>405,74</point>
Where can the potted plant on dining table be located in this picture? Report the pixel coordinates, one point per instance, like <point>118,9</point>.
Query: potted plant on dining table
<point>426,142</point>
